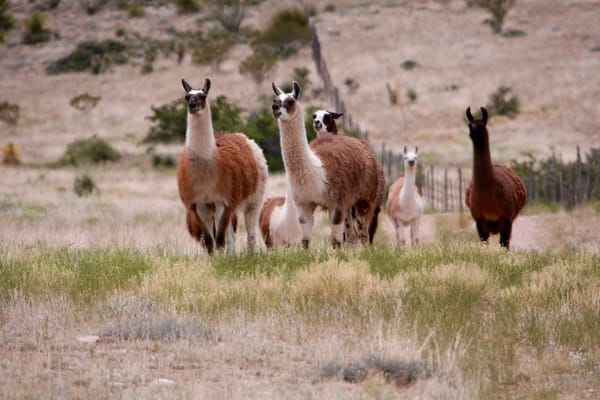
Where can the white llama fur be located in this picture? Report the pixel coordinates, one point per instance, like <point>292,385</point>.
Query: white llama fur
<point>404,205</point>
<point>307,176</point>
<point>284,226</point>
<point>201,185</point>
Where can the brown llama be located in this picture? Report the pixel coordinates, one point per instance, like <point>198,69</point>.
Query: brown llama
<point>335,172</point>
<point>496,194</point>
<point>217,176</point>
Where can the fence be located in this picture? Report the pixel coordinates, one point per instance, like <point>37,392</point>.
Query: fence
<point>443,188</point>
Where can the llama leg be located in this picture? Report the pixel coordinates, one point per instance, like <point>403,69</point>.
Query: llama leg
<point>206,214</point>
<point>306,220</point>
<point>198,230</point>
<point>397,228</point>
<point>251,216</point>
<point>349,228</point>
<point>414,231</point>
<point>337,227</point>
<point>373,224</point>
<point>483,232</point>
<point>223,218</point>
<point>505,234</point>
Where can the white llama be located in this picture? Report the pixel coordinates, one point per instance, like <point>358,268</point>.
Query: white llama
<point>404,204</point>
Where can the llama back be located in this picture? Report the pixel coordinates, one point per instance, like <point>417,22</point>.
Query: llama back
<point>350,163</point>
<point>244,171</point>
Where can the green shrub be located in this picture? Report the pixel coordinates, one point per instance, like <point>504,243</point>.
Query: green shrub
<point>91,55</point>
<point>409,64</point>
<point>9,113</point>
<point>84,102</point>
<point>412,95</point>
<point>83,185</point>
<point>287,32</point>
<point>170,122</point>
<point>499,104</point>
<point>6,20</point>
<point>258,65</point>
<point>213,49</point>
<point>135,10</point>
<point>163,161</point>
<point>34,29</point>
<point>92,150</point>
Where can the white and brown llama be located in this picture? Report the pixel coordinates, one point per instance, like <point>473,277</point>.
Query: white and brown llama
<point>404,204</point>
<point>335,172</point>
<point>218,175</point>
<point>278,221</point>
<point>496,194</point>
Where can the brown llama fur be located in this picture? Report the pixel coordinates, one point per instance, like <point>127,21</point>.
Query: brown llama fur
<point>217,176</point>
<point>496,194</point>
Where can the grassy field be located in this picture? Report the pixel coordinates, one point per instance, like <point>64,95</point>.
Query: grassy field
<point>455,319</point>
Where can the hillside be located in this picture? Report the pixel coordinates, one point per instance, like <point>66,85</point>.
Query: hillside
<point>552,68</point>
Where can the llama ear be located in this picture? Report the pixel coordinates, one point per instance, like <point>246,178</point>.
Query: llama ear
<point>416,149</point>
<point>335,115</point>
<point>469,115</point>
<point>296,90</point>
<point>206,86</point>
<point>405,150</point>
<point>277,91</point>
<point>186,86</point>
<point>484,116</point>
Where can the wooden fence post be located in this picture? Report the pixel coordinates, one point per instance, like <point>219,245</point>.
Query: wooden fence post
<point>460,190</point>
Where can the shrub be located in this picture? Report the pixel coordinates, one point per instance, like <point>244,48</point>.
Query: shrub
<point>258,65</point>
<point>287,32</point>
<point>409,64</point>
<point>84,102</point>
<point>91,55</point>
<point>92,150</point>
<point>83,185</point>
<point>499,104</point>
<point>213,49</point>
<point>92,6</point>
<point>262,127</point>
<point>169,123</point>
<point>34,29</point>
<point>229,13</point>
<point>135,10</point>
<point>412,95</point>
<point>498,10</point>
<point>163,161</point>
<point>351,84</point>
<point>392,94</point>
<point>301,76</point>
<point>186,6</point>
<point>10,154</point>
<point>9,113</point>
<point>6,20</point>
<point>226,116</point>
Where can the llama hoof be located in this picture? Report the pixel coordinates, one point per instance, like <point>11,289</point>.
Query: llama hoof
<point>336,244</point>
<point>305,243</point>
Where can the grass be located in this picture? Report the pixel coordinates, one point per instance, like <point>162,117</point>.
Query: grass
<point>493,313</point>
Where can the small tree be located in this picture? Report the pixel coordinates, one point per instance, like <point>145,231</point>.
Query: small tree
<point>35,29</point>
<point>229,13</point>
<point>501,104</point>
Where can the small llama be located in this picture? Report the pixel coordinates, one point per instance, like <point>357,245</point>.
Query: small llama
<point>218,175</point>
<point>404,204</point>
<point>278,221</point>
<point>334,172</point>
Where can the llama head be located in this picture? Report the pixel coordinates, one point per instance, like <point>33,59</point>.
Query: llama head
<point>324,121</point>
<point>477,127</point>
<point>285,105</point>
<point>196,98</point>
<point>410,158</point>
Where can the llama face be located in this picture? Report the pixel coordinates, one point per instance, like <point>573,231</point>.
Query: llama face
<point>285,105</point>
<point>324,121</point>
<point>477,127</point>
<point>195,98</point>
<point>411,158</point>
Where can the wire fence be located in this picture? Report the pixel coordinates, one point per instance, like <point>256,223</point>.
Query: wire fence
<point>443,188</point>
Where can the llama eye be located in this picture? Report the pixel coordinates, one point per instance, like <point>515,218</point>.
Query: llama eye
<point>288,103</point>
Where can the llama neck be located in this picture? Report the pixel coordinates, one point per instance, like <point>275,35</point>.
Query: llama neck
<point>298,158</point>
<point>482,160</point>
<point>409,187</point>
<point>199,136</point>
<point>289,207</point>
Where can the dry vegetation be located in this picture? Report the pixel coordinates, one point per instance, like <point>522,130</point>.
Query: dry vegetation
<point>107,296</point>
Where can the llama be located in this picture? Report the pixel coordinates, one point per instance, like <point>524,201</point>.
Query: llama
<point>217,176</point>
<point>496,194</point>
<point>278,221</point>
<point>324,122</point>
<point>404,205</point>
<point>335,172</point>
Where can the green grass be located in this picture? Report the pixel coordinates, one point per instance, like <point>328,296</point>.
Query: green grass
<point>489,308</point>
